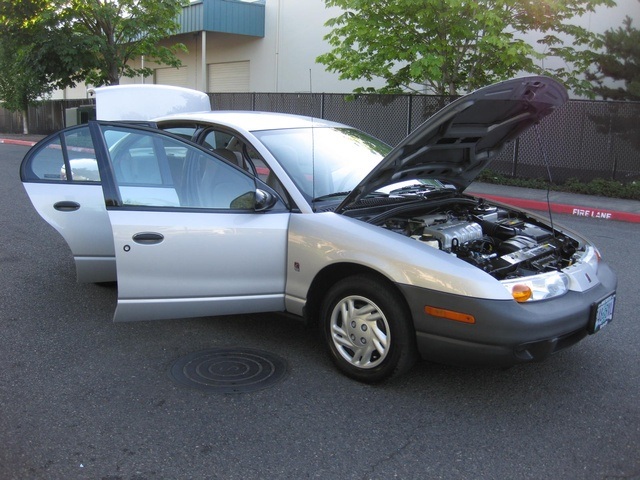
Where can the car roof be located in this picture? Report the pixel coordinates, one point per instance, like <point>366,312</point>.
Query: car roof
<point>251,120</point>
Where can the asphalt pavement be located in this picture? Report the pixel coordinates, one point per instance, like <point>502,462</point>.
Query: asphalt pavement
<point>531,199</point>
<point>82,397</point>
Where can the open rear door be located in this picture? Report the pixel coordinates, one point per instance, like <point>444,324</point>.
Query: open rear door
<point>60,175</point>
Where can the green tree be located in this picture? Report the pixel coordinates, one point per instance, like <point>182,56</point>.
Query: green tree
<point>37,55</point>
<point>620,62</point>
<point>115,32</point>
<point>49,44</point>
<point>447,47</point>
<point>19,87</point>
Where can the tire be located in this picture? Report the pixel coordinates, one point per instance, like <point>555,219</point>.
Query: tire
<point>368,329</point>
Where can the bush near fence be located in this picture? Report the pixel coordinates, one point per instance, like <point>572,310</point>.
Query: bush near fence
<point>582,140</point>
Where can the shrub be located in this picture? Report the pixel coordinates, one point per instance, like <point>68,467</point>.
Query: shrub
<point>597,186</point>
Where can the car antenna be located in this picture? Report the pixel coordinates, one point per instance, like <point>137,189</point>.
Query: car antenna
<point>545,159</point>
<point>313,146</point>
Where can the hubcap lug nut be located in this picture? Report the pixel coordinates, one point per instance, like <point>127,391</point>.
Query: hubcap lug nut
<point>363,328</point>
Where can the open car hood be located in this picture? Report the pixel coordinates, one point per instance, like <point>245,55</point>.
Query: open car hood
<point>459,141</point>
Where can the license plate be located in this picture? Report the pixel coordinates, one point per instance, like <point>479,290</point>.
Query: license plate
<point>601,313</point>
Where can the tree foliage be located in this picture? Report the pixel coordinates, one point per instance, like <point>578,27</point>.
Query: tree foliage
<point>19,85</point>
<point>451,46</point>
<point>49,44</point>
<point>37,54</point>
<point>114,32</point>
<point>620,62</point>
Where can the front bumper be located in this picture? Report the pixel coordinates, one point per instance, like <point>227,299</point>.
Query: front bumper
<point>505,332</point>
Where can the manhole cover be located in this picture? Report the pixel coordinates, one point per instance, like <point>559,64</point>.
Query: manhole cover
<point>229,370</point>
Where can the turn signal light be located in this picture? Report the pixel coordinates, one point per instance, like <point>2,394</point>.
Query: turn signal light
<point>521,293</point>
<point>450,314</point>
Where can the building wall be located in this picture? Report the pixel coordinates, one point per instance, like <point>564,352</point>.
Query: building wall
<point>282,61</point>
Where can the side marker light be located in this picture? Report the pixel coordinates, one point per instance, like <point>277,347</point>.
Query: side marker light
<point>450,314</point>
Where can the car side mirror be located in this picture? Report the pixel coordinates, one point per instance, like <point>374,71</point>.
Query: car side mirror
<point>264,200</point>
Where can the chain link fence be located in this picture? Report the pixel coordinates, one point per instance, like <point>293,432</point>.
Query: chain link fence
<point>582,140</point>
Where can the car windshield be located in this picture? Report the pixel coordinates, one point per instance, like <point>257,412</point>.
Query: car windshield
<point>324,161</point>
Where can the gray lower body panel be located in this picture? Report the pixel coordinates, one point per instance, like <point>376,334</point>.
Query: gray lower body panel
<point>505,332</point>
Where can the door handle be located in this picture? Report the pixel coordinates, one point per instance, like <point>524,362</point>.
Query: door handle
<point>148,238</point>
<point>66,206</point>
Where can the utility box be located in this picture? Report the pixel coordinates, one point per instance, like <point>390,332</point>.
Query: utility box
<point>79,115</point>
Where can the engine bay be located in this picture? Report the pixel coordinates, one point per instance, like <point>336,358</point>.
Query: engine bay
<point>504,243</point>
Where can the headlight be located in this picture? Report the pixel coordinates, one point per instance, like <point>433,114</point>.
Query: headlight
<point>538,287</point>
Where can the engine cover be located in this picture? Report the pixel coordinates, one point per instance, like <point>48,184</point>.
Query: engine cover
<point>452,233</point>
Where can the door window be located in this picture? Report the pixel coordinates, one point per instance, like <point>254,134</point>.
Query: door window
<point>155,170</point>
<point>67,157</point>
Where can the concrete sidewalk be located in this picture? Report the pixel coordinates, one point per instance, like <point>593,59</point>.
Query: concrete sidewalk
<point>527,198</point>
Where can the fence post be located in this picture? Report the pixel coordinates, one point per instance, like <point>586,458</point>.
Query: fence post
<point>610,137</point>
<point>409,112</point>
<point>516,153</point>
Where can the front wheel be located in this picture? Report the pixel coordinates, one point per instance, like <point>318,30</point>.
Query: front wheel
<point>368,330</point>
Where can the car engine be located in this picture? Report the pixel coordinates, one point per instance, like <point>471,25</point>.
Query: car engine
<point>503,243</point>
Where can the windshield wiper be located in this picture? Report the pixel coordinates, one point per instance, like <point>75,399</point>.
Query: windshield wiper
<point>417,188</point>
<point>331,195</point>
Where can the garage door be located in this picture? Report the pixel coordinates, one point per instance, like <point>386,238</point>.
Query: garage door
<point>228,77</point>
<point>171,76</point>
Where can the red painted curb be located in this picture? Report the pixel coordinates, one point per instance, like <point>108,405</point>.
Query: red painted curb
<point>11,141</point>
<point>577,210</point>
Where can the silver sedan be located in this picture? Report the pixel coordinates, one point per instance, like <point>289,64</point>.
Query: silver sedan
<point>216,213</point>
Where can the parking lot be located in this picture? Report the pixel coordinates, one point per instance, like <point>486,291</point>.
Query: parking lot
<point>84,398</point>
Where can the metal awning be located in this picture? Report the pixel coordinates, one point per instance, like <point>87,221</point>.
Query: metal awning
<point>224,16</point>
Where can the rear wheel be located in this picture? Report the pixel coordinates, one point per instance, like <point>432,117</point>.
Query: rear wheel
<point>368,329</point>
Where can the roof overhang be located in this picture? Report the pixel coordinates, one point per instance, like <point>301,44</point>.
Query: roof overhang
<point>224,16</point>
